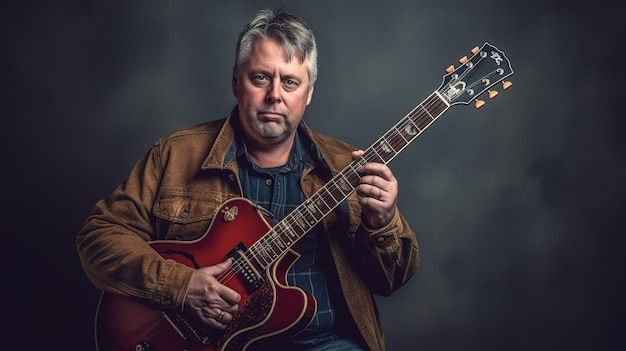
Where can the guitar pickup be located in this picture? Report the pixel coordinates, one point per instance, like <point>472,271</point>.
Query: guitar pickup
<point>245,268</point>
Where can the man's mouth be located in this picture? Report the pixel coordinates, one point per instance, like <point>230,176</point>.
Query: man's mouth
<point>269,115</point>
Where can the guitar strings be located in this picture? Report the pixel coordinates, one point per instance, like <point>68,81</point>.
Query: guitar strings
<point>419,118</point>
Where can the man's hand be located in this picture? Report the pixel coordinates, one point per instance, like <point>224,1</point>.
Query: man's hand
<point>378,192</point>
<point>208,300</point>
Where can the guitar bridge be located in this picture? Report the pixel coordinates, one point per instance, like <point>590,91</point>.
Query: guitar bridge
<point>245,268</point>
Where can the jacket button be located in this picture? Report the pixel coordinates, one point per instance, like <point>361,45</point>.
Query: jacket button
<point>185,214</point>
<point>232,177</point>
<point>380,239</point>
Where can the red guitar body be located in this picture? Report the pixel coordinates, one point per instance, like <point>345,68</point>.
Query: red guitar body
<point>270,309</point>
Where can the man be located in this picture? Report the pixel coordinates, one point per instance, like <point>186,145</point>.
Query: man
<point>264,152</point>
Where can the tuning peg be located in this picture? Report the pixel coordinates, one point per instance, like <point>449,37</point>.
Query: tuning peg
<point>462,60</point>
<point>479,103</point>
<point>450,69</point>
<point>506,85</point>
<point>475,50</point>
<point>492,94</point>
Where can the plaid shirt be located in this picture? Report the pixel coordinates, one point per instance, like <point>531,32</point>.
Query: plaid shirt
<point>278,191</point>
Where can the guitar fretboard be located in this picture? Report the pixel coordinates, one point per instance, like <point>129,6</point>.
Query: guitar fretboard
<point>308,214</point>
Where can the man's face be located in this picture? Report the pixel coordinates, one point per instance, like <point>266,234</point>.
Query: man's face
<point>271,93</point>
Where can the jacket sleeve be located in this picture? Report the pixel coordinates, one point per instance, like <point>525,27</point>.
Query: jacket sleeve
<point>113,243</point>
<point>388,255</point>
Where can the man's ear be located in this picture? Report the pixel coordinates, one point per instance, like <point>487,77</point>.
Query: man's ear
<point>310,97</point>
<point>234,82</point>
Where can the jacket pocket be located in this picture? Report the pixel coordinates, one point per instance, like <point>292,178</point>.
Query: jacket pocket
<point>182,216</point>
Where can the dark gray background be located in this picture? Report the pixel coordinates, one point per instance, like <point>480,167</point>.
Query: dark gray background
<point>517,206</point>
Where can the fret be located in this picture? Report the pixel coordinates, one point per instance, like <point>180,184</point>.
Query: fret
<point>406,132</point>
<point>335,192</point>
<point>358,163</point>
<point>385,149</point>
<point>343,185</point>
<point>319,202</point>
<point>423,119</point>
<point>427,112</point>
<point>378,153</point>
<point>413,125</point>
<point>264,251</point>
<point>278,240</point>
<point>409,130</point>
<point>440,108</point>
<point>399,131</point>
<point>300,220</point>
<point>397,144</point>
<point>257,254</point>
<point>314,210</point>
<point>391,137</point>
<point>436,107</point>
<point>310,213</point>
<point>374,158</point>
<point>330,194</point>
<point>283,232</point>
<point>274,248</point>
<point>290,229</point>
<point>352,178</point>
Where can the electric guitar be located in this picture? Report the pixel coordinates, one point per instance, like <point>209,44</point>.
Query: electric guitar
<point>262,254</point>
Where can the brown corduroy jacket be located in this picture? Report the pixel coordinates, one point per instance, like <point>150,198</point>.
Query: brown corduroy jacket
<point>175,189</point>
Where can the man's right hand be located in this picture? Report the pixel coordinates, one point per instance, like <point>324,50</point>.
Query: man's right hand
<point>210,301</point>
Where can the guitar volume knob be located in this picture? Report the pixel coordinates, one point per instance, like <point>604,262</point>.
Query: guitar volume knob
<point>143,346</point>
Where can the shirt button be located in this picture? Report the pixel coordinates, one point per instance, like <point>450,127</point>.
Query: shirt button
<point>268,181</point>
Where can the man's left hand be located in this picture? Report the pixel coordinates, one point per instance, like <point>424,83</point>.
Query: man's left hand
<point>378,193</point>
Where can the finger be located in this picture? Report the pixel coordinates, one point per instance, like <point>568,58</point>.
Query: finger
<point>357,153</point>
<point>374,181</point>
<point>370,191</point>
<point>377,169</point>
<point>216,316</point>
<point>378,194</point>
<point>231,308</point>
<point>214,323</point>
<point>220,267</point>
<point>227,294</point>
<point>220,316</point>
<point>224,317</point>
<point>231,297</point>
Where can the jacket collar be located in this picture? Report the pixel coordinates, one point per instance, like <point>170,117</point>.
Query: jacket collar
<point>223,140</point>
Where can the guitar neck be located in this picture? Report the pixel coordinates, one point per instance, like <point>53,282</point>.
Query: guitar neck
<point>308,214</point>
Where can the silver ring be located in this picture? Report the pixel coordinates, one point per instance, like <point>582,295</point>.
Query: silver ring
<point>219,318</point>
<point>380,193</point>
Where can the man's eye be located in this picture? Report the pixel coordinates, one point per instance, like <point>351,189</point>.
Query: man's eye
<point>290,84</point>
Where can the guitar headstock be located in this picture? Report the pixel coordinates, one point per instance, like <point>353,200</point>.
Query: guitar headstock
<point>487,67</point>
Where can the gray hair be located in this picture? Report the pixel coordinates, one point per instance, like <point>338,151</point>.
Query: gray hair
<point>287,29</point>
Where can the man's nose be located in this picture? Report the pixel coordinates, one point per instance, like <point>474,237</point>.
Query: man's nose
<point>274,91</point>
